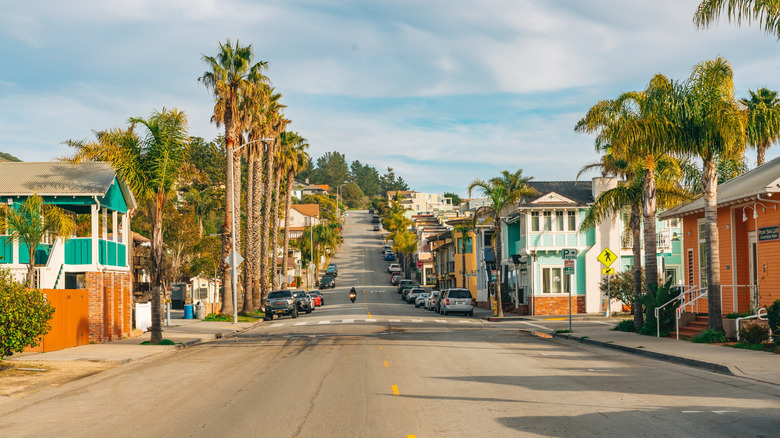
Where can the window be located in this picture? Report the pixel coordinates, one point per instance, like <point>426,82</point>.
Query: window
<point>702,254</point>
<point>534,221</point>
<point>559,221</point>
<point>554,282</point>
<point>572,216</point>
<point>460,245</point>
<point>547,220</point>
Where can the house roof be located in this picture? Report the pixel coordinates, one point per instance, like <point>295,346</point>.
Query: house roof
<point>60,179</point>
<point>311,210</point>
<point>324,187</point>
<point>55,179</point>
<point>580,192</point>
<point>763,180</point>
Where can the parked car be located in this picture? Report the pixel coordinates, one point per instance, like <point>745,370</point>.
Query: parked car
<point>419,299</point>
<point>389,257</point>
<point>456,300</point>
<point>401,284</point>
<point>280,302</point>
<point>327,282</point>
<point>317,298</point>
<point>406,289</point>
<point>395,277</point>
<point>376,227</point>
<point>430,300</point>
<point>394,267</point>
<point>375,219</point>
<point>304,301</point>
<point>413,293</point>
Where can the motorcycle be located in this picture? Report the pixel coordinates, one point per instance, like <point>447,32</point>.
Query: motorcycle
<point>352,296</point>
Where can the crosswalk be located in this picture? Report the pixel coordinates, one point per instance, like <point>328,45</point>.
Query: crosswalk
<point>372,321</point>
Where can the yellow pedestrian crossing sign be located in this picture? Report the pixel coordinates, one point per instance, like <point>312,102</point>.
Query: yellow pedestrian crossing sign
<point>607,257</point>
<point>608,271</point>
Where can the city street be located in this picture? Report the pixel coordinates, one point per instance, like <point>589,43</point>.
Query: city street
<point>382,368</point>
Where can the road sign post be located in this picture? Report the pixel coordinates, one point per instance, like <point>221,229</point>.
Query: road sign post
<point>419,264</point>
<point>569,257</point>
<point>607,258</point>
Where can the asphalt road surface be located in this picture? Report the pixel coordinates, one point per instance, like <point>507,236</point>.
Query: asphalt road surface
<point>381,368</point>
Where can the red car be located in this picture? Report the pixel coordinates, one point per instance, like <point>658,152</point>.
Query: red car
<point>394,277</point>
<point>317,298</point>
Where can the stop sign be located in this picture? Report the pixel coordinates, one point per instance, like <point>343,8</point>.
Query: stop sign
<point>419,264</point>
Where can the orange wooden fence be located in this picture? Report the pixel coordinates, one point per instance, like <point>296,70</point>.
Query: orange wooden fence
<point>70,322</point>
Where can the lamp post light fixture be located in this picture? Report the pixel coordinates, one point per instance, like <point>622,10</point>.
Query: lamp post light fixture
<point>233,223</point>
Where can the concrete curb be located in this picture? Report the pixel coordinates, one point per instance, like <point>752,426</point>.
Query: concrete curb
<point>718,368</point>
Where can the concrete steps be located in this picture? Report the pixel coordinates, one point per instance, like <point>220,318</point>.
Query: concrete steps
<point>694,328</point>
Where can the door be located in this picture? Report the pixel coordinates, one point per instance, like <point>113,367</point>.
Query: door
<point>753,266</point>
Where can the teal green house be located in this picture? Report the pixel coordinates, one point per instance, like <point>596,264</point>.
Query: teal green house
<point>98,200</point>
<point>550,265</point>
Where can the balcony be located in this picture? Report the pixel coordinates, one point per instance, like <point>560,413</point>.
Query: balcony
<point>663,239</point>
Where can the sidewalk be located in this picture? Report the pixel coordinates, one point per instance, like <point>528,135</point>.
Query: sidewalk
<point>184,332</point>
<point>755,365</point>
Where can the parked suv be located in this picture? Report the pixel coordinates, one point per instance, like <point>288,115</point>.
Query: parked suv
<point>280,302</point>
<point>406,289</point>
<point>456,300</point>
<point>304,301</point>
<point>401,284</point>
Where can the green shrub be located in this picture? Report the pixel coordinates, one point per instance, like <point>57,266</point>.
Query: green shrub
<point>626,325</point>
<point>709,336</point>
<point>773,315</point>
<point>746,346</point>
<point>738,315</point>
<point>24,316</point>
<point>754,333</point>
<point>660,295</point>
<point>650,329</point>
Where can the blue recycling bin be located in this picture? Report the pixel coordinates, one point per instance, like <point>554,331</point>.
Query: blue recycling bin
<point>188,311</point>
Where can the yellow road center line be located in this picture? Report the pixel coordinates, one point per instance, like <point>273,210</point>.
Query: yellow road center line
<point>380,347</point>
<point>411,436</point>
<point>386,364</point>
<point>395,390</point>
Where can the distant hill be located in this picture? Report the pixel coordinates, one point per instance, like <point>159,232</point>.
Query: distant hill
<point>4,156</point>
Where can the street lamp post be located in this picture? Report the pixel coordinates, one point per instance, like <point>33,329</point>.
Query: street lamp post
<point>233,224</point>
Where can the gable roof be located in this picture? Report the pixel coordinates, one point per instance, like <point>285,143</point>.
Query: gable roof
<point>764,179</point>
<point>311,210</point>
<point>60,179</point>
<point>568,192</point>
<point>55,179</point>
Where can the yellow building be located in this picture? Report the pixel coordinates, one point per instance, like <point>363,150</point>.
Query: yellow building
<point>449,257</point>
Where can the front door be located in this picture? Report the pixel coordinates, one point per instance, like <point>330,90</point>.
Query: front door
<point>753,266</point>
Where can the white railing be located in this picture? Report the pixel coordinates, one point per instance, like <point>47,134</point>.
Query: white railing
<point>761,317</point>
<point>663,239</point>
<point>687,296</point>
<point>735,289</point>
<point>695,295</point>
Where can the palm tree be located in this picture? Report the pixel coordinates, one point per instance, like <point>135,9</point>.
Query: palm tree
<point>150,167</point>
<point>712,126</point>
<point>230,73</point>
<point>202,202</point>
<point>637,128</point>
<point>765,12</point>
<point>763,127</point>
<point>503,191</point>
<point>296,160</point>
<point>31,222</point>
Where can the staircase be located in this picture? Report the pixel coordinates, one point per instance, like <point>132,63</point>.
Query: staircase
<point>698,325</point>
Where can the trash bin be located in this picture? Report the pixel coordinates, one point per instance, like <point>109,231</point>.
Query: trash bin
<point>200,311</point>
<point>188,311</point>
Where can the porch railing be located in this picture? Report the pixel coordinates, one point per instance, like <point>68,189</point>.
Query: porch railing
<point>688,294</point>
<point>695,295</point>
<point>761,317</point>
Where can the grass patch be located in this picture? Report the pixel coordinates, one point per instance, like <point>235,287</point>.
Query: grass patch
<point>163,342</point>
<point>756,347</point>
<point>227,318</point>
<point>563,331</point>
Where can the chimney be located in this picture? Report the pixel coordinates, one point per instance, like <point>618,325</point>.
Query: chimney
<point>602,183</point>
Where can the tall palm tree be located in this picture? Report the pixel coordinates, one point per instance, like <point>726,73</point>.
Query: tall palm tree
<point>711,126</point>
<point>503,191</point>
<point>230,73</point>
<point>296,160</point>
<point>31,222</point>
<point>763,127</point>
<point>150,167</point>
<point>765,12</point>
<point>637,128</point>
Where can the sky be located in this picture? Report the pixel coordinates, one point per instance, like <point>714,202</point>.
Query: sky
<point>443,91</point>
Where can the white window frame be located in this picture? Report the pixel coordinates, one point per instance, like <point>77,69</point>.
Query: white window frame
<point>571,220</point>
<point>547,278</point>
<point>535,222</point>
<point>559,223</point>
<point>547,221</point>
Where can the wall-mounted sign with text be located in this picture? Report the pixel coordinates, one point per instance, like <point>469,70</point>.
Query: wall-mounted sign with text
<point>769,233</point>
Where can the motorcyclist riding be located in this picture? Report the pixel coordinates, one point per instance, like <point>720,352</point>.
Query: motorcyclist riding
<point>352,294</point>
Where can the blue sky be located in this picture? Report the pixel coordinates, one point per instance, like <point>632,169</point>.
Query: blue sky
<point>442,91</point>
